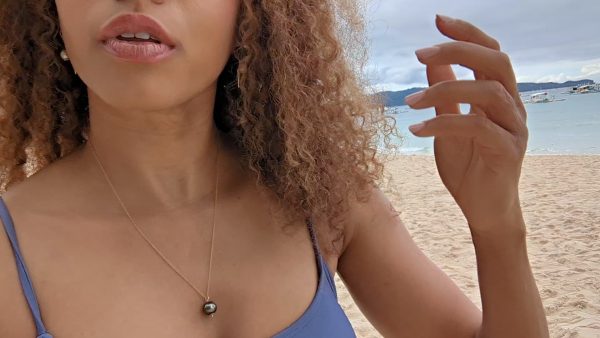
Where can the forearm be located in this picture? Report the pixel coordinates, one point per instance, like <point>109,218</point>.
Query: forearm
<point>511,301</point>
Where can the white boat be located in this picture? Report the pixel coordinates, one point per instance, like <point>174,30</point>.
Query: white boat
<point>585,89</point>
<point>542,97</point>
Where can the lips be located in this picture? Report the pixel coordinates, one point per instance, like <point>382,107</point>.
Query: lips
<point>135,23</point>
<point>150,41</point>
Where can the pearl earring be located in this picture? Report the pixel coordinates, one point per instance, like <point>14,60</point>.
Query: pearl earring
<point>63,55</point>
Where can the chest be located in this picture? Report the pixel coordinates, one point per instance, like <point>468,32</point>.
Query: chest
<point>109,282</point>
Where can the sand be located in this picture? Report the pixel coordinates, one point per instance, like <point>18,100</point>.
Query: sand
<point>560,198</point>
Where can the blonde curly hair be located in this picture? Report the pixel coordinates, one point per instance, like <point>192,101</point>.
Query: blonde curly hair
<point>303,116</point>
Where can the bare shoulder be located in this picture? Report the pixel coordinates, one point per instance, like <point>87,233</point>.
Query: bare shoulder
<point>363,213</point>
<point>27,201</point>
<point>360,213</point>
<point>44,195</point>
<point>14,308</point>
<point>47,186</point>
<point>13,304</point>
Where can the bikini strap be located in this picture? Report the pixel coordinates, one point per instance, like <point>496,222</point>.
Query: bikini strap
<point>313,237</point>
<point>22,269</point>
<point>322,264</point>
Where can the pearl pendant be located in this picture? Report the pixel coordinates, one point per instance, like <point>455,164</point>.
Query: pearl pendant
<point>210,308</point>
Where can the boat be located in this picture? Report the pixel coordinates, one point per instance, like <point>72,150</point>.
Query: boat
<point>542,97</point>
<point>585,89</point>
<point>573,90</point>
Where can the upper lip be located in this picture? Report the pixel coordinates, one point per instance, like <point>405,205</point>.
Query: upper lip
<point>135,23</point>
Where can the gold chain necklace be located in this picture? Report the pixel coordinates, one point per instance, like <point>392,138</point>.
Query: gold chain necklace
<point>209,307</point>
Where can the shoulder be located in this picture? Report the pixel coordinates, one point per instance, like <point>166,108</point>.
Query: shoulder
<point>39,203</point>
<point>13,306</point>
<point>364,212</point>
<point>33,204</point>
<point>15,318</point>
<point>44,192</point>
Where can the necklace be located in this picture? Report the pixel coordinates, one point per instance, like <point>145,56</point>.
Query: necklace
<point>209,307</point>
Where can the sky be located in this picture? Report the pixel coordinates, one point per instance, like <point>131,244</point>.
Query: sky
<point>547,40</point>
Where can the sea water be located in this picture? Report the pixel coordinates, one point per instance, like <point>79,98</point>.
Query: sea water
<point>571,126</point>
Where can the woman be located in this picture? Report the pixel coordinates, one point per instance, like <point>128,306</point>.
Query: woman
<point>168,167</point>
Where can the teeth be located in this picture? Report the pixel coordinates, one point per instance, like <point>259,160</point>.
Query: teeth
<point>143,35</point>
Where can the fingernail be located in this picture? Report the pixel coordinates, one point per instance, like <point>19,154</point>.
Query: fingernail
<point>444,18</point>
<point>414,98</point>
<point>427,52</point>
<point>415,128</point>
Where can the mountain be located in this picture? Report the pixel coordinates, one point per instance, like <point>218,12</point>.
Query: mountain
<point>528,86</point>
<point>397,98</point>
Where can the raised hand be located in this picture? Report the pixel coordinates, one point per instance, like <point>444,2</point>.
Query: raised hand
<point>479,154</point>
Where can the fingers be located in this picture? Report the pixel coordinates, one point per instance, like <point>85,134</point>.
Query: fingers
<point>490,96</point>
<point>493,64</point>
<point>497,121</point>
<point>486,133</point>
<point>437,74</point>
<point>460,30</point>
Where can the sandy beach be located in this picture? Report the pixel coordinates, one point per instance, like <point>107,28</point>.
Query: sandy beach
<point>559,197</point>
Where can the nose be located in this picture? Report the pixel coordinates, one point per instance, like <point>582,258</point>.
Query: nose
<point>139,3</point>
<point>141,6</point>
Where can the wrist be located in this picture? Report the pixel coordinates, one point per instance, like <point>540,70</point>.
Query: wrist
<point>508,229</point>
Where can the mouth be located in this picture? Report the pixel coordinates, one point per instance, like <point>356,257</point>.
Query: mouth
<point>136,38</point>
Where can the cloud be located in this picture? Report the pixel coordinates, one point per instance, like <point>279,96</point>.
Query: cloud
<point>590,70</point>
<point>562,77</point>
<point>545,39</point>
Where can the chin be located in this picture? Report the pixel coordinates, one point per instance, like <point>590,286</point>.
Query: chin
<point>146,91</point>
<point>140,100</point>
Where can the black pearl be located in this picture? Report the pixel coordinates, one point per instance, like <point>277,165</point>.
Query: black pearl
<point>210,308</point>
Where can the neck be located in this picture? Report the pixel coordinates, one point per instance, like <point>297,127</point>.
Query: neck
<point>157,160</point>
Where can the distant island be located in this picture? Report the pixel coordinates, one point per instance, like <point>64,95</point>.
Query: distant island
<point>393,99</point>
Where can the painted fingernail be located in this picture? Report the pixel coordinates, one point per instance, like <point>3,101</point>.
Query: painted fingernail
<point>444,18</point>
<point>427,52</point>
<point>415,128</point>
<point>414,98</point>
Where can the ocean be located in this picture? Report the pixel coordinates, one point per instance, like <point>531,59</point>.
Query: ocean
<point>569,127</point>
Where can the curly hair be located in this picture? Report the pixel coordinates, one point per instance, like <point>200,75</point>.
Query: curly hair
<point>301,113</point>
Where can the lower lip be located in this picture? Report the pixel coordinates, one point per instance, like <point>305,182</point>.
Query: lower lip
<point>140,52</point>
